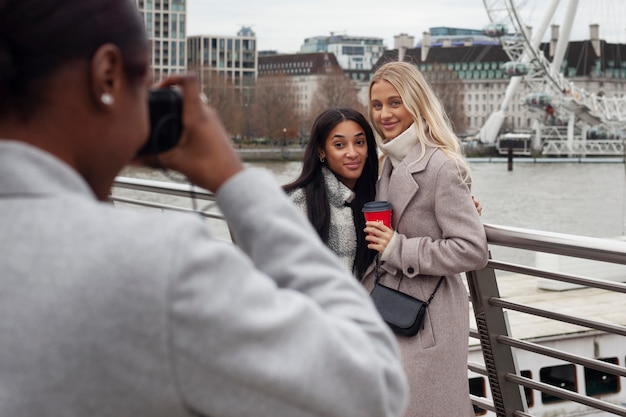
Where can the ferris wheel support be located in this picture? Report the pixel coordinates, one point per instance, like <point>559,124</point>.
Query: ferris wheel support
<point>550,90</point>
<point>557,60</point>
<point>564,37</point>
<point>489,131</point>
<point>570,133</point>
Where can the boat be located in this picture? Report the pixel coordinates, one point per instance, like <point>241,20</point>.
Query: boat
<point>547,340</point>
<point>517,143</point>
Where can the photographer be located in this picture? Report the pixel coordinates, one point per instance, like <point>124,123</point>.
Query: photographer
<point>112,312</point>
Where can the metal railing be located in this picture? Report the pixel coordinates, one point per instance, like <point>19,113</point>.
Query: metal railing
<point>500,349</point>
<point>168,196</point>
<point>491,310</point>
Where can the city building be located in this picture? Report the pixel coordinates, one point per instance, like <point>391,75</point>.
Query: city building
<point>478,63</point>
<point>306,71</point>
<point>352,52</point>
<point>315,44</point>
<point>447,36</point>
<point>234,57</point>
<point>475,67</point>
<point>166,26</point>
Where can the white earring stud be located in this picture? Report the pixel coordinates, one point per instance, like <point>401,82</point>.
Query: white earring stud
<point>106,98</point>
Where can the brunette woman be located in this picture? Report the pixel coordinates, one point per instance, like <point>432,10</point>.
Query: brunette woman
<point>339,173</point>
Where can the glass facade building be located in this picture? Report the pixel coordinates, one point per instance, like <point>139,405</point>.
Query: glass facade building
<point>233,57</point>
<point>166,25</point>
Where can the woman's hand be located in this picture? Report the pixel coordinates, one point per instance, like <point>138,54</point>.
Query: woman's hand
<point>479,208</point>
<point>378,235</point>
<point>204,153</point>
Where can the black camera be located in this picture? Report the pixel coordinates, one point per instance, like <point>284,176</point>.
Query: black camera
<point>166,120</point>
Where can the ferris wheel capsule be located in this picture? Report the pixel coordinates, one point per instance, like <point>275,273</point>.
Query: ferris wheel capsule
<point>495,30</point>
<point>515,68</point>
<point>538,100</point>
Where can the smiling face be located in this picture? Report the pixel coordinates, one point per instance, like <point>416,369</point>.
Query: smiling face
<point>389,114</point>
<point>345,151</point>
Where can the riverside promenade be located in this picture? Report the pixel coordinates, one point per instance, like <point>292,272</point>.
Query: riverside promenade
<point>295,153</point>
<point>277,153</point>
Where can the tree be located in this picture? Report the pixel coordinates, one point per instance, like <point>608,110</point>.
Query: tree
<point>274,112</point>
<point>449,88</point>
<point>225,98</point>
<point>333,91</point>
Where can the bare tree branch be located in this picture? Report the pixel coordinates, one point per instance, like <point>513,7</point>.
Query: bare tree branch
<point>333,91</point>
<point>449,89</point>
<point>274,112</point>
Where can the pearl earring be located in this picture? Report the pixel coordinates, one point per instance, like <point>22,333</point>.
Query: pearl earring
<point>106,98</point>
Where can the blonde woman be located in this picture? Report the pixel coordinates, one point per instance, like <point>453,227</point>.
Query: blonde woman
<point>436,231</point>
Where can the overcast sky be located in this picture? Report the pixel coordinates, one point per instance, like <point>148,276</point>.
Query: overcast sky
<point>284,24</point>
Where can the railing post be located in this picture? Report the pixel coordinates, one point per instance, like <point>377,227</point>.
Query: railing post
<point>499,360</point>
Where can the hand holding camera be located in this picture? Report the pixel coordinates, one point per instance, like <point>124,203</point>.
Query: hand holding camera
<point>165,106</point>
<point>202,150</point>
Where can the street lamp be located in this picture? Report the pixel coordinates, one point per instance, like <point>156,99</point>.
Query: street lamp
<point>284,136</point>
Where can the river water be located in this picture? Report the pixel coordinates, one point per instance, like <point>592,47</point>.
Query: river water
<point>577,198</point>
<point>585,199</point>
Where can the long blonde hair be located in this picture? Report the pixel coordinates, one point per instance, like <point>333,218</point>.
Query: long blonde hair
<point>431,121</point>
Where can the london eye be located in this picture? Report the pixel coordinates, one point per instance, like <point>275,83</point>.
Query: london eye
<point>521,26</point>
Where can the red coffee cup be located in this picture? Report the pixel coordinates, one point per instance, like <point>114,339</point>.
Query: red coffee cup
<point>378,211</point>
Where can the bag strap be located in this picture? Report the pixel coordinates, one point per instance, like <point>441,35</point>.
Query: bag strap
<point>436,288</point>
<point>377,268</point>
<point>377,274</point>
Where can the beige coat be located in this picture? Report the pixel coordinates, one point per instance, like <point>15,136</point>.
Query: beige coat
<point>439,233</point>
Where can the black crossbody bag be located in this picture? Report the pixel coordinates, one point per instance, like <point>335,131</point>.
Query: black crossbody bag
<point>402,312</point>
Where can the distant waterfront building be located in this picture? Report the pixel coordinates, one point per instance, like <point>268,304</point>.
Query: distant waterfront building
<point>352,52</point>
<point>315,44</point>
<point>268,52</point>
<point>306,71</point>
<point>165,22</point>
<point>235,57</point>
<point>403,40</point>
<point>478,67</point>
<point>476,61</point>
<point>447,36</point>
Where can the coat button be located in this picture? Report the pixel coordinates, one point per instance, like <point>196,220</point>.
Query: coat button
<point>410,270</point>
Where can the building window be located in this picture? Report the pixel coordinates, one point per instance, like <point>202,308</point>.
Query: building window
<point>477,388</point>
<point>528,393</point>
<point>562,376</point>
<point>599,382</point>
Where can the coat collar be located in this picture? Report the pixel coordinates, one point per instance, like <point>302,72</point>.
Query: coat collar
<point>403,186</point>
<point>416,160</point>
<point>338,193</point>
<point>26,170</point>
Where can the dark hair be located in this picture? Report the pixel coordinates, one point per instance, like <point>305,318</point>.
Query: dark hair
<point>311,180</point>
<point>37,37</point>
